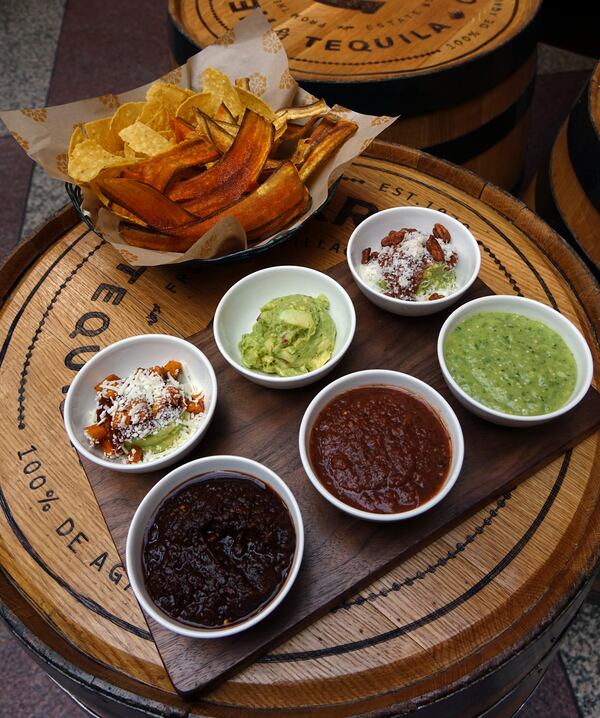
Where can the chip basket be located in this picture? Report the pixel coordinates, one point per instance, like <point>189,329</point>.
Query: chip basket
<point>76,196</point>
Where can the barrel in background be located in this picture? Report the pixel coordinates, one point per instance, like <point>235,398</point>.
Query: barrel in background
<point>566,189</point>
<point>459,72</point>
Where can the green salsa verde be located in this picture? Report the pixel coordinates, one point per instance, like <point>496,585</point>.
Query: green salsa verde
<point>511,363</point>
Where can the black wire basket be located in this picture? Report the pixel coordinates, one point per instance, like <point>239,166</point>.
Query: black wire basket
<point>76,196</point>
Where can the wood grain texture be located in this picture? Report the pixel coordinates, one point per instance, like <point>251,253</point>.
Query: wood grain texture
<point>450,630</point>
<point>342,554</point>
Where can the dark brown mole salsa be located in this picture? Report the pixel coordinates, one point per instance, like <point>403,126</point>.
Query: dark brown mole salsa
<point>218,549</point>
<point>380,449</point>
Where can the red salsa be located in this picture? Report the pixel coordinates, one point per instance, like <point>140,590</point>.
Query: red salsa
<point>380,449</point>
<point>218,550</point>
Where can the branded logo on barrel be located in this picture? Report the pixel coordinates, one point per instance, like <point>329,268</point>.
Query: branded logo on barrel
<point>370,37</point>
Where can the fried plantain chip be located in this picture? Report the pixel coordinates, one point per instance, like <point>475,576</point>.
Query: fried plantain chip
<point>215,131</point>
<point>301,152</point>
<point>157,171</point>
<point>208,247</point>
<point>280,222</point>
<point>122,212</point>
<point>233,175</point>
<point>326,146</point>
<point>144,202</point>
<point>282,191</point>
<point>315,109</point>
<point>182,129</point>
<point>323,128</point>
<point>243,83</point>
<point>294,132</point>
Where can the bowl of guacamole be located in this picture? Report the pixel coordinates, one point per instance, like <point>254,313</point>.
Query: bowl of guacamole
<point>514,361</point>
<point>284,327</point>
<point>292,335</point>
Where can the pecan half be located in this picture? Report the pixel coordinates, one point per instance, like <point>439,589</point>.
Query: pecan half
<point>393,238</point>
<point>435,295</point>
<point>441,232</point>
<point>365,255</point>
<point>433,247</point>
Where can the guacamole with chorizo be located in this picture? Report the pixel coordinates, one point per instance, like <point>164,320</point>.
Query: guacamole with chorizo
<point>292,335</point>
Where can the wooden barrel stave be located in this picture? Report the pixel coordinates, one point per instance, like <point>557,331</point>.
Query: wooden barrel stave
<point>566,189</point>
<point>479,133</point>
<point>359,677</point>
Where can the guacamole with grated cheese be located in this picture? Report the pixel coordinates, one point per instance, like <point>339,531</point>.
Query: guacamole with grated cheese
<point>292,335</point>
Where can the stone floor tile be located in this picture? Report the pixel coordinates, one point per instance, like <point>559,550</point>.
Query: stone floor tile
<point>29,32</point>
<point>581,655</point>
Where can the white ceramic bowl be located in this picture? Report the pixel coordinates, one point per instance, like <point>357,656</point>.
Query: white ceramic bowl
<point>372,230</point>
<point>122,358</point>
<point>374,377</point>
<point>176,479</point>
<point>534,310</point>
<point>239,307</point>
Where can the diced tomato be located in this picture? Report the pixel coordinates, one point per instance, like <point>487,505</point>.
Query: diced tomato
<point>96,432</point>
<point>173,368</point>
<point>134,455</point>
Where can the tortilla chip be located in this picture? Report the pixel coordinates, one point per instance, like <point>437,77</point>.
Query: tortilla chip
<point>219,85</point>
<point>100,131</point>
<point>126,115</point>
<point>76,138</point>
<point>157,118</point>
<point>88,159</point>
<point>167,94</point>
<point>144,139</point>
<point>254,103</point>
<point>201,100</point>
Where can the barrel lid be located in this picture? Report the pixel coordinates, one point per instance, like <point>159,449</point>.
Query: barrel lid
<point>365,40</point>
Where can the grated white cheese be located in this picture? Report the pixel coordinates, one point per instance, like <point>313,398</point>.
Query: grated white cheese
<point>394,270</point>
<point>134,397</point>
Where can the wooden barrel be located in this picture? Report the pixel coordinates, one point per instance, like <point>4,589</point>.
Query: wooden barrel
<point>459,72</point>
<point>464,627</point>
<point>566,190</point>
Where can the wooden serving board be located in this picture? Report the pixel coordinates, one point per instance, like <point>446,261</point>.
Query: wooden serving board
<point>342,554</point>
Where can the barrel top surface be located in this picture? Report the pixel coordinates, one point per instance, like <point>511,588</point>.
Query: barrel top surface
<point>449,614</point>
<point>355,40</point>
